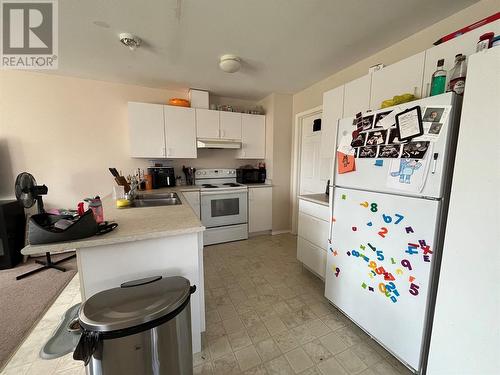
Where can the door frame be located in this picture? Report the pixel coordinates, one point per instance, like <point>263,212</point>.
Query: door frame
<point>296,154</point>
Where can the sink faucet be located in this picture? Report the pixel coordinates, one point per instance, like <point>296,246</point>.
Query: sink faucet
<point>134,184</point>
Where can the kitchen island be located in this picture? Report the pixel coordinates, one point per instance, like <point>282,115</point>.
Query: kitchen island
<point>149,241</point>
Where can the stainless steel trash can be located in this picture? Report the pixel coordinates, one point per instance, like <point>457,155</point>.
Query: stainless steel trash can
<point>141,328</point>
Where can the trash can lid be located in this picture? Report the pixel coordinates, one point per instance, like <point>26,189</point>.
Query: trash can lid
<point>134,303</point>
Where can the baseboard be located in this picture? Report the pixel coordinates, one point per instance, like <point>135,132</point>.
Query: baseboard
<point>313,272</point>
<point>261,233</point>
<point>275,232</point>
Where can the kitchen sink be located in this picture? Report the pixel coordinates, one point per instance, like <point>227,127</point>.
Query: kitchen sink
<point>155,200</point>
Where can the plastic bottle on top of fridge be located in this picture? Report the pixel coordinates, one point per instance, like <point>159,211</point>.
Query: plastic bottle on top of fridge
<point>457,75</point>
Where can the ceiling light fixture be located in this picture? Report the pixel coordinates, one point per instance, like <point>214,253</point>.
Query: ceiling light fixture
<point>230,63</point>
<point>130,41</point>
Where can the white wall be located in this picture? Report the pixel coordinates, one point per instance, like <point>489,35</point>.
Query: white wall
<point>312,96</point>
<point>238,104</point>
<point>279,127</point>
<point>67,132</point>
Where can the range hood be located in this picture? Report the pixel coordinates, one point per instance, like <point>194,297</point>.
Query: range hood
<point>218,143</point>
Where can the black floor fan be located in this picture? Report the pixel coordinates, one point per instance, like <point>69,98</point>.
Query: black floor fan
<point>29,193</point>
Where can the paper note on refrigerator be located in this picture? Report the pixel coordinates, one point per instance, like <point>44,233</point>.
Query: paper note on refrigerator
<point>407,174</point>
<point>345,163</point>
<point>344,145</point>
<point>390,119</point>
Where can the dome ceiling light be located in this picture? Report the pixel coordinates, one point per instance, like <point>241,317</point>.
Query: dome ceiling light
<point>230,63</point>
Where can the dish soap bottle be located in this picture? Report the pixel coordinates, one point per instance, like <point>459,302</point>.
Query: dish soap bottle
<point>457,75</point>
<point>438,83</point>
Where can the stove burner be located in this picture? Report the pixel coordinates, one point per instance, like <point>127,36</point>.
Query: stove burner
<point>232,184</point>
<point>209,186</point>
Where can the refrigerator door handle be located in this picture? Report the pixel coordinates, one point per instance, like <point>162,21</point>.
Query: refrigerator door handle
<point>330,218</point>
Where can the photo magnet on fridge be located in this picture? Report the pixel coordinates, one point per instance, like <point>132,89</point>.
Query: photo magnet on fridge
<point>394,137</point>
<point>389,151</point>
<point>409,123</point>
<point>376,138</point>
<point>358,139</point>
<point>367,122</point>
<point>431,132</point>
<point>433,114</point>
<point>368,152</point>
<point>415,150</point>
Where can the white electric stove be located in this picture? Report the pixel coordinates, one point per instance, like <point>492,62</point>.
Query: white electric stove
<point>224,205</point>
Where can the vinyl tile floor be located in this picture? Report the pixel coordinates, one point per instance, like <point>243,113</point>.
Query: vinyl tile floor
<point>265,314</point>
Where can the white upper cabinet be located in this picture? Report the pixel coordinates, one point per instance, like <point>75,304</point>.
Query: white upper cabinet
<point>253,137</point>
<point>146,130</point>
<point>464,44</point>
<point>180,132</point>
<point>333,109</point>
<point>207,123</point>
<point>403,77</point>
<point>357,96</point>
<point>230,125</point>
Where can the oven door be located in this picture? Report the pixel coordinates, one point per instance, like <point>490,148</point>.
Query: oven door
<point>223,208</point>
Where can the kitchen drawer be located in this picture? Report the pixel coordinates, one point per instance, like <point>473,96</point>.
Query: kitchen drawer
<point>314,209</point>
<point>311,256</point>
<point>313,229</point>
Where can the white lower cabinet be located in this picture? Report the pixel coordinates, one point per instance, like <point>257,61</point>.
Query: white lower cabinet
<point>312,256</point>
<point>313,229</point>
<point>193,198</point>
<point>260,209</point>
<point>312,238</point>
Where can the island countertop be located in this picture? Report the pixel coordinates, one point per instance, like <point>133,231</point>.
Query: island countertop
<point>134,224</point>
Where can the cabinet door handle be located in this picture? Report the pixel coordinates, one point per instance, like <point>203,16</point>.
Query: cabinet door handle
<point>223,133</point>
<point>163,150</point>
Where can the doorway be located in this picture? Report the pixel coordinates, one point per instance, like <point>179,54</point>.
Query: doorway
<point>306,172</point>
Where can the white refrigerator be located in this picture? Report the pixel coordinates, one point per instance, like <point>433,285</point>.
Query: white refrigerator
<point>387,228</point>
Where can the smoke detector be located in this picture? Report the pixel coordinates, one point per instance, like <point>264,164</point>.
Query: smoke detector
<point>230,63</point>
<point>129,40</point>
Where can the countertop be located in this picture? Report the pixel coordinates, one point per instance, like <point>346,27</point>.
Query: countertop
<point>321,198</point>
<point>258,185</point>
<point>135,224</point>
